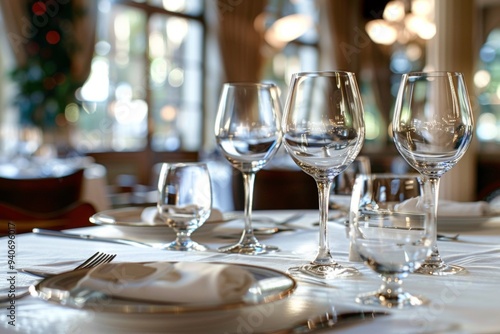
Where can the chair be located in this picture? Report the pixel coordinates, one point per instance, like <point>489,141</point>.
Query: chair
<point>278,190</point>
<point>52,202</point>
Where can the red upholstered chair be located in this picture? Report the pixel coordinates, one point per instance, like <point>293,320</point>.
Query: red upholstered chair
<point>52,202</point>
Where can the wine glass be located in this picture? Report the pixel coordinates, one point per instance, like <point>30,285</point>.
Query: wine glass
<point>391,236</point>
<point>323,131</point>
<point>184,201</point>
<point>432,129</point>
<point>248,132</point>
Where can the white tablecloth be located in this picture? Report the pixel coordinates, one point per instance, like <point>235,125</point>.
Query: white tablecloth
<point>468,303</point>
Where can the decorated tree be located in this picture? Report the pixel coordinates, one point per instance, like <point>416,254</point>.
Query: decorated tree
<point>46,84</point>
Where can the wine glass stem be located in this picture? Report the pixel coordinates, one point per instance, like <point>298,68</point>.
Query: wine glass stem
<point>392,287</point>
<point>248,183</point>
<point>324,256</point>
<point>431,205</point>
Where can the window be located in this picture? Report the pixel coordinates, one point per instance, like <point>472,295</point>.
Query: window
<point>145,90</point>
<point>487,82</point>
<point>299,54</point>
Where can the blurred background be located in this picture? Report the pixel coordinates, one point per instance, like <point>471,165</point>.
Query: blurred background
<point>130,84</point>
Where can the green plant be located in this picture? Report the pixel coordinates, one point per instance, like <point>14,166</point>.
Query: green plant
<point>46,84</point>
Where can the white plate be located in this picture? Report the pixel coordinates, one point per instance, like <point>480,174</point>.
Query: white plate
<point>129,221</point>
<point>270,285</point>
<point>462,223</point>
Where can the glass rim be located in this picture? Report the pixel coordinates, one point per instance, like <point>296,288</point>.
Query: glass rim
<point>391,175</point>
<point>184,163</point>
<point>249,84</point>
<point>323,73</point>
<point>433,74</point>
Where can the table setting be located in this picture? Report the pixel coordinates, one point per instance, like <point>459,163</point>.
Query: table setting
<point>183,266</point>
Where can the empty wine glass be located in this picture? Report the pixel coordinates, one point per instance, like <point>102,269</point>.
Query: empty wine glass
<point>248,132</point>
<point>432,129</point>
<point>184,201</point>
<point>323,133</point>
<point>392,238</point>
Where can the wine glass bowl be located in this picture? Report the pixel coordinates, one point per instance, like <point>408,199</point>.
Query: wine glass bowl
<point>432,129</point>
<point>184,201</point>
<point>248,132</point>
<point>323,133</point>
<point>392,237</point>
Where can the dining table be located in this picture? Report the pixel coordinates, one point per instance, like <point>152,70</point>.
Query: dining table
<point>462,303</point>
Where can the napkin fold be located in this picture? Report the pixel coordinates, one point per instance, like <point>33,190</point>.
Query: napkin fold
<point>449,208</point>
<point>150,215</point>
<point>181,282</point>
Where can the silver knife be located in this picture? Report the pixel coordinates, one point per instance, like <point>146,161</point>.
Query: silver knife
<point>54,233</point>
<point>329,320</point>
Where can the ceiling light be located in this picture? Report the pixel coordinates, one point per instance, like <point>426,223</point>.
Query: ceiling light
<point>394,11</point>
<point>287,29</point>
<point>381,32</point>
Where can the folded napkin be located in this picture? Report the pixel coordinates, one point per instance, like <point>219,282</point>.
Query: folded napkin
<point>150,215</point>
<point>448,208</point>
<point>181,282</point>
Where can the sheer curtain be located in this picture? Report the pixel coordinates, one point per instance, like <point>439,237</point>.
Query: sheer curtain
<point>348,47</point>
<point>342,46</point>
<point>239,42</point>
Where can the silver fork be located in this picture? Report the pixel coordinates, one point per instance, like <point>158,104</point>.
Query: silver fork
<point>288,220</point>
<point>93,261</point>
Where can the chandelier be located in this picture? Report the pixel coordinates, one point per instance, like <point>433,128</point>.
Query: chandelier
<point>403,21</point>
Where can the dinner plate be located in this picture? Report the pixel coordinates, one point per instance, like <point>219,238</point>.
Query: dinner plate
<point>270,285</point>
<point>130,221</point>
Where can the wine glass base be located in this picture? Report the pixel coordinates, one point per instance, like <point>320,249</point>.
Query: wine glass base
<point>402,300</point>
<point>249,249</point>
<point>324,271</point>
<point>187,246</point>
<point>440,269</point>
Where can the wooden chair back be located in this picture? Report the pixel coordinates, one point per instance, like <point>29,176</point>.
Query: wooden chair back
<point>42,195</point>
<point>52,203</point>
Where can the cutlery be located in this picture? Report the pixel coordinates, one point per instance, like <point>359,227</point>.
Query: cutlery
<point>93,261</point>
<point>329,320</point>
<point>269,220</point>
<point>258,231</point>
<point>54,233</point>
<point>444,237</point>
<point>285,221</point>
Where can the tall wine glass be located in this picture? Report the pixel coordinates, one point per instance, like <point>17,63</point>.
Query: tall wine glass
<point>323,131</point>
<point>248,131</point>
<point>432,128</point>
<point>392,238</point>
<point>184,201</point>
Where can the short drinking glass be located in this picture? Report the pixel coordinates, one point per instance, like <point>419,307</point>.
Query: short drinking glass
<point>184,201</point>
<point>390,235</point>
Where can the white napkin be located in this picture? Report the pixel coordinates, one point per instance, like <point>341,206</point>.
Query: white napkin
<point>448,208</point>
<point>181,282</point>
<point>150,215</point>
